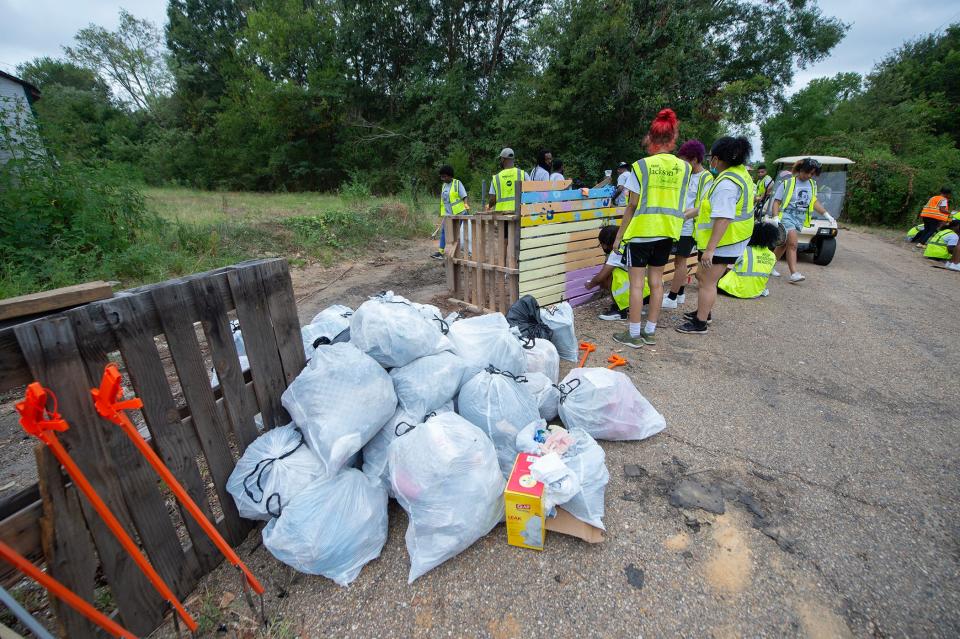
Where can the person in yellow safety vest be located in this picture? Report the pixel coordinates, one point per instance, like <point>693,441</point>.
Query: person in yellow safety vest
<point>912,233</point>
<point>724,225</point>
<point>505,185</point>
<point>934,214</point>
<point>652,222</point>
<point>691,151</point>
<point>945,245</point>
<point>763,183</point>
<point>748,277</point>
<point>793,204</point>
<point>453,201</point>
<point>614,278</point>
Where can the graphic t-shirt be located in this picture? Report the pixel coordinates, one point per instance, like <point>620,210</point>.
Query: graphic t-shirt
<point>802,193</point>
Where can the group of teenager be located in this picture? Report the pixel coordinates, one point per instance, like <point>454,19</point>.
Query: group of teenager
<point>938,233</point>
<point>674,206</point>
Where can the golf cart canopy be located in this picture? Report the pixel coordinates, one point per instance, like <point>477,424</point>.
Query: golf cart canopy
<point>830,160</point>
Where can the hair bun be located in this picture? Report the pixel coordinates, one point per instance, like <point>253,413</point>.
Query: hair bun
<point>667,116</point>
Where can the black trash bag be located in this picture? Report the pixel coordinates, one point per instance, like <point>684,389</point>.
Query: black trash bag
<point>525,315</point>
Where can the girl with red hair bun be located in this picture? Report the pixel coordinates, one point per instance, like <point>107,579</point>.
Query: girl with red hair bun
<point>652,221</point>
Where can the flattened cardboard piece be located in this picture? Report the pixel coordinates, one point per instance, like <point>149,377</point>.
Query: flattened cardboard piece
<point>566,524</point>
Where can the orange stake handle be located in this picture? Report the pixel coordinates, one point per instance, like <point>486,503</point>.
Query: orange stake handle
<point>106,399</point>
<point>615,360</point>
<point>63,593</point>
<point>42,424</point>
<point>587,348</point>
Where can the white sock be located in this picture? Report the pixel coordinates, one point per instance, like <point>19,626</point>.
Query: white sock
<point>651,327</point>
<point>635,329</point>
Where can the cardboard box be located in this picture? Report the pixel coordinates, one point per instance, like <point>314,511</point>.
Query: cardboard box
<point>523,502</point>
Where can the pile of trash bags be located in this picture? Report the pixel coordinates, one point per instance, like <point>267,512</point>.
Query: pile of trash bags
<point>398,400</point>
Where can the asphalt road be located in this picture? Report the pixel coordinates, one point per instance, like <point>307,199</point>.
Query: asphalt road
<point>825,414</point>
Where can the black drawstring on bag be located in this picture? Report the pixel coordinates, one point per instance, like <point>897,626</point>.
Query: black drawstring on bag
<point>493,370</point>
<point>396,429</point>
<point>323,340</point>
<point>260,469</point>
<point>444,327</point>
<point>566,389</point>
<point>529,343</point>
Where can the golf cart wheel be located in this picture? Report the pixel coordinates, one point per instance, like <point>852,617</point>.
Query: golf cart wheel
<point>824,250</point>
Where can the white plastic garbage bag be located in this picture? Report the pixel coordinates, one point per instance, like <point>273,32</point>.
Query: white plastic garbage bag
<point>560,481</point>
<point>546,393</point>
<point>274,469</point>
<point>486,340</point>
<point>375,451</point>
<point>241,353</point>
<point>445,474</point>
<point>542,357</point>
<point>560,319</point>
<point>429,382</point>
<point>390,330</point>
<point>325,327</point>
<point>332,528</point>
<point>435,316</point>
<point>500,404</point>
<point>587,461</point>
<point>606,404</point>
<point>340,401</point>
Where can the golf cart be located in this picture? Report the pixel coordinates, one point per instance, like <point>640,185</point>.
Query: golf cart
<point>820,238</point>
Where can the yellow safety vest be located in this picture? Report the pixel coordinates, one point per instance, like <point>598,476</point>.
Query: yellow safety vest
<point>505,188</point>
<point>741,226</point>
<point>663,182</point>
<point>702,187</point>
<point>762,186</point>
<point>912,233</point>
<point>457,205</point>
<point>937,245</point>
<point>750,274</point>
<point>620,288</point>
<point>788,188</point>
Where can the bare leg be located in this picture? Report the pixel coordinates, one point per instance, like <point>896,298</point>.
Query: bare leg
<point>792,250</point>
<point>655,279</point>
<point>636,294</point>
<point>707,291</point>
<point>679,266</point>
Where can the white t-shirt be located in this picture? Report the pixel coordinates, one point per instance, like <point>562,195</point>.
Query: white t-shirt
<point>445,195</point>
<point>540,174</point>
<point>687,230</point>
<point>723,204</point>
<point>615,260</point>
<point>802,193</point>
<point>632,184</point>
<point>493,191</point>
<point>557,177</point>
<point>622,181</point>
<point>951,239</point>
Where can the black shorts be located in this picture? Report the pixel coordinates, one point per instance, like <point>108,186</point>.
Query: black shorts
<point>640,254</point>
<point>685,245</point>
<point>720,260</point>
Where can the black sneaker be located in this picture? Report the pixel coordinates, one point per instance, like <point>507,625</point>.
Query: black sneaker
<point>693,326</point>
<point>437,256</point>
<point>692,317</point>
<point>615,314</point>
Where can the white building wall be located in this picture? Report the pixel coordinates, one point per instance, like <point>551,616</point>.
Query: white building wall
<point>16,118</point>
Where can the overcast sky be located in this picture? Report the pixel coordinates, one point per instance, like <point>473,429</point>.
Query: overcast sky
<point>31,28</point>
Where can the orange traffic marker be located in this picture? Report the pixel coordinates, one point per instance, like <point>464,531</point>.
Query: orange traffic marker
<point>111,407</point>
<point>615,360</point>
<point>587,348</point>
<point>44,424</point>
<point>63,593</point>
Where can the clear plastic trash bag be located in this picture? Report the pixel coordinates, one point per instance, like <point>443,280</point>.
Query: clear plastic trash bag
<point>542,357</point>
<point>273,469</point>
<point>606,404</point>
<point>586,459</point>
<point>430,382</point>
<point>326,327</point>
<point>445,474</point>
<point>500,404</point>
<point>332,528</point>
<point>390,330</point>
<point>340,401</point>
<point>487,341</point>
<point>546,393</point>
<point>560,319</point>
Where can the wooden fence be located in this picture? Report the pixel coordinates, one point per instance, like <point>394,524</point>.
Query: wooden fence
<point>547,247</point>
<point>198,430</point>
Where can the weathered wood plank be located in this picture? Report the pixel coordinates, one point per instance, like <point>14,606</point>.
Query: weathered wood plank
<point>67,547</point>
<point>211,432</point>
<point>545,185</point>
<point>571,194</point>
<point>568,227</point>
<point>21,531</point>
<point>563,258</point>
<point>562,238</point>
<point>282,306</point>
<point>546,290</point>
<point>559,247</point>
<point>538,219</point>
<point>50,349</point>
<point>177,446</point>
<point>54,300</point>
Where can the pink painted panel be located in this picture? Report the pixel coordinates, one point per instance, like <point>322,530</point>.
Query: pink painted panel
<point>574,283</point>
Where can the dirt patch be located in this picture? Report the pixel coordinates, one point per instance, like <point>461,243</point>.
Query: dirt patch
<point>819,622</point>
<point>731,563</point>
<point>677,543</point>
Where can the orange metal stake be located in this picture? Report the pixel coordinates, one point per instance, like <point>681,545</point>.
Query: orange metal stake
<point>43,424</point>
<point>106,399</point>
<point>587,348</point>
<point>60,591</point>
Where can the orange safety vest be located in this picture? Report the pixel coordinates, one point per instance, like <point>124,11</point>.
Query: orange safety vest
<point>933,211</point>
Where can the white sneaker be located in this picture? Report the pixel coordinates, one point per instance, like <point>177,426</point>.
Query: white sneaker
<point>796,278</point>
<point>953,266</point>
<point>667,302</point>
<point>775,273</point>
<point>764,292</point>
<point>681,299</point>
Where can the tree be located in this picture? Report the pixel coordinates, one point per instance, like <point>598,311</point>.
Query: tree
<point>131,58</point>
